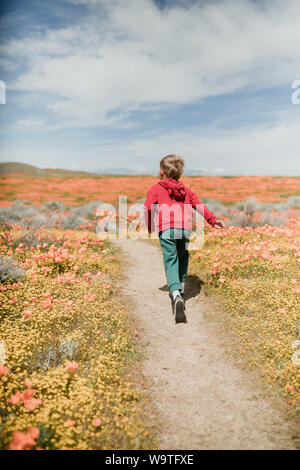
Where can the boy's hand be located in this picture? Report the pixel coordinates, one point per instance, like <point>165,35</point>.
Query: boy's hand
<point>219,224</point>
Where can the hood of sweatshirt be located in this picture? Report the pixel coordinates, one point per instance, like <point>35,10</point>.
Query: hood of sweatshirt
<point>176,189</point>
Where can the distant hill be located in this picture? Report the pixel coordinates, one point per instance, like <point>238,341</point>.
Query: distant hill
<point>15,167</point>
<point>30,170</point>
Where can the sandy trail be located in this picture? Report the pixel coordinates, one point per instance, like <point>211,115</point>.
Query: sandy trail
<point>204,399</point>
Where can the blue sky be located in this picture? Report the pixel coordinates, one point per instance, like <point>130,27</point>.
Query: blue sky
<point>114,85</point>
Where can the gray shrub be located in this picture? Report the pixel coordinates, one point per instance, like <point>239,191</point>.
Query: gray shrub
<point>9,270</point>
<point>17,213</point>
<point>53,206</point>
<point>249,216</point>
<point>87,210</point>
<point>242,220</point>
<point>293,202</point>
<point>216,207</point>
<point>271,220</point>
<point>72,221</point>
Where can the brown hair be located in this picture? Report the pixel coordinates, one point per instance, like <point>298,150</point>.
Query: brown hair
<point>172,166</point>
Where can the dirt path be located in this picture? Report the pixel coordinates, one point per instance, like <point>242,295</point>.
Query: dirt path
<point>204,399</point>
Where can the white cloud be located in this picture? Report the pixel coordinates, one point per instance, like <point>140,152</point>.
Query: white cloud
<point>29,123</point>
<point>131,56</point>
<point>128,54</point>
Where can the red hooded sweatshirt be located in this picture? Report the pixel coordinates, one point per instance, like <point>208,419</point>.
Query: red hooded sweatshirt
<point>172,204</point>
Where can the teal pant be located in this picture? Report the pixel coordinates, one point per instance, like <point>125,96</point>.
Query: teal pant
<point>176,256</point>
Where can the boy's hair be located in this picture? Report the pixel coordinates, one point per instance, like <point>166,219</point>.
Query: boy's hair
<point>172,166</point>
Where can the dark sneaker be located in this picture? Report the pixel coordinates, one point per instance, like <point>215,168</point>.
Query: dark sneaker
<point>182,296</point>
<point>179,315</point>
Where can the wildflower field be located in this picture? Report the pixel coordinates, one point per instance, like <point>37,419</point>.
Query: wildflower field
<point>69,345</point>
<point>69,373</point>
<point>255,275</point>
<point>79,190</point>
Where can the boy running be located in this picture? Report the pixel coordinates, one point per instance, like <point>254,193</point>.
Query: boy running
<point>172,202</point>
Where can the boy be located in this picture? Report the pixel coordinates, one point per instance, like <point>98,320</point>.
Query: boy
<point>174,203</point>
